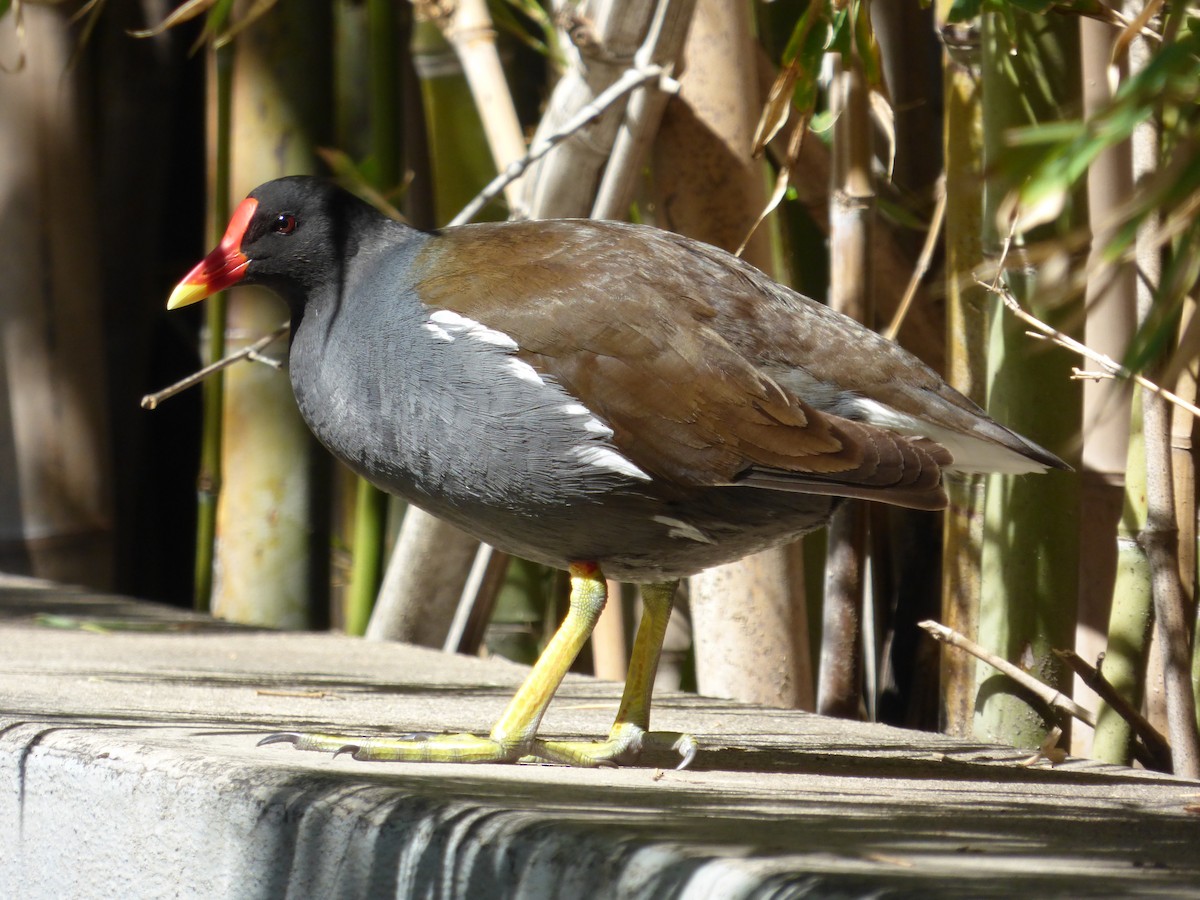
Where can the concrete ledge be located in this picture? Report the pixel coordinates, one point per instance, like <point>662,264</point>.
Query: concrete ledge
<point>128,769</point>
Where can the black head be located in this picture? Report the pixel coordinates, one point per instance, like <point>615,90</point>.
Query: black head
<point>293,235</point>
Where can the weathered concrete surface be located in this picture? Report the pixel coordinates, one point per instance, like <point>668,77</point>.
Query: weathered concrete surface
<point>128,769</point>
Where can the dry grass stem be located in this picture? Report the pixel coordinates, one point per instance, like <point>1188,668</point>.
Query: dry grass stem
<point>923,261</point>
<point>1051,696</point>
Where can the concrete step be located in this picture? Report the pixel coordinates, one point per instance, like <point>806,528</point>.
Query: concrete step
<point>129,769</point>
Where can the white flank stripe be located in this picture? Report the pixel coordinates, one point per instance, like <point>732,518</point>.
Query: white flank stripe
<point>452,321</point>
<point>681,529</point>
<point>592,424</point>
<point>604,458</point>
<point>450,318</point>
<point>525,371</point>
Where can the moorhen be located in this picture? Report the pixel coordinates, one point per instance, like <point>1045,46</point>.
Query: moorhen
<point>589,395</point>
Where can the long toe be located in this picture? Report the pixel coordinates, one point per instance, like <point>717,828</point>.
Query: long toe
<point>405,748</point>
<point>627,745</point>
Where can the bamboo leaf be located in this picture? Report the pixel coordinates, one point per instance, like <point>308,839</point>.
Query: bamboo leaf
<point>868,48</point>
<point>358,178</point>
<point>796,83</point>
<point>841,32</point>
<point>185,12</point>
<point>885,118</point>
<point>504,15</point>
<point>216,19</point>
<point>872,64</point>
<point>800,32</point>
<point>256,12</point>
<point>775,111</point>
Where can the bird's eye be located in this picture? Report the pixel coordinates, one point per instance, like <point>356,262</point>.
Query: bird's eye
<point>284,224</point>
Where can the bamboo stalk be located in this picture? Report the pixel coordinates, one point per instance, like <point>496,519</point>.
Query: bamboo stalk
<point>370,503</point>
<point>1030,555</point>
<point>707,185</point>
<point>839,680</point>
<point>605,34</point>
<point>1131,617</point>
<point>208,481</point>
<point>1183,469</point>
<point>1108,328</point>
<point>55,506</point>
<point>473,38</point>
<point>272,521</point>
<point>1160,536</point>
<point>663,45</point>
<point>966,343</point>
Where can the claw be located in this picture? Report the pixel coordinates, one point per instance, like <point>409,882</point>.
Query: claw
<point>282,737</point>
<point>352,749</point>
<point>687,748</point>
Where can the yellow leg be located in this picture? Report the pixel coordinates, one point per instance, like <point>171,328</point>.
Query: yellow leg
<point>630,732</point>
<point>512,737</point>
<point>520,721</point>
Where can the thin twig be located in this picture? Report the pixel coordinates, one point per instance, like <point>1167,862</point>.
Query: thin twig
<point>1051,696</point>
<point>252,352</point>
<point>632,78</point>
<point>1065,340</point>
<point>1157,748</point>
<point>923,261</point>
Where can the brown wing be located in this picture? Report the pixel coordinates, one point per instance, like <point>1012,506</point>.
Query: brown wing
<point>597,307</point>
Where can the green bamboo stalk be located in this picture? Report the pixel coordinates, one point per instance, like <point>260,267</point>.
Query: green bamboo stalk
<point>370,524</point>
<point>1160,537</point>
<point>1132,615</point>
<point>1030,555</point>
<point>208,485</point>
<point>371,504</point>
<point>384,90</point>
<point>461,160</point>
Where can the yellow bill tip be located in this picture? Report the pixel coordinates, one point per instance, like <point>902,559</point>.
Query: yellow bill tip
<point>187,293</point>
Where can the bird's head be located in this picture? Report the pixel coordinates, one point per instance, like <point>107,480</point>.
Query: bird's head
<point>291,235</point>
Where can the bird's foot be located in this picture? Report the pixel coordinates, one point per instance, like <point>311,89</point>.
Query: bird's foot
<point>454,748</point>
<point>624,746</point>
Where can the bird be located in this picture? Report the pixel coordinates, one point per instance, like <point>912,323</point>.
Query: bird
<point>605,398</point>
